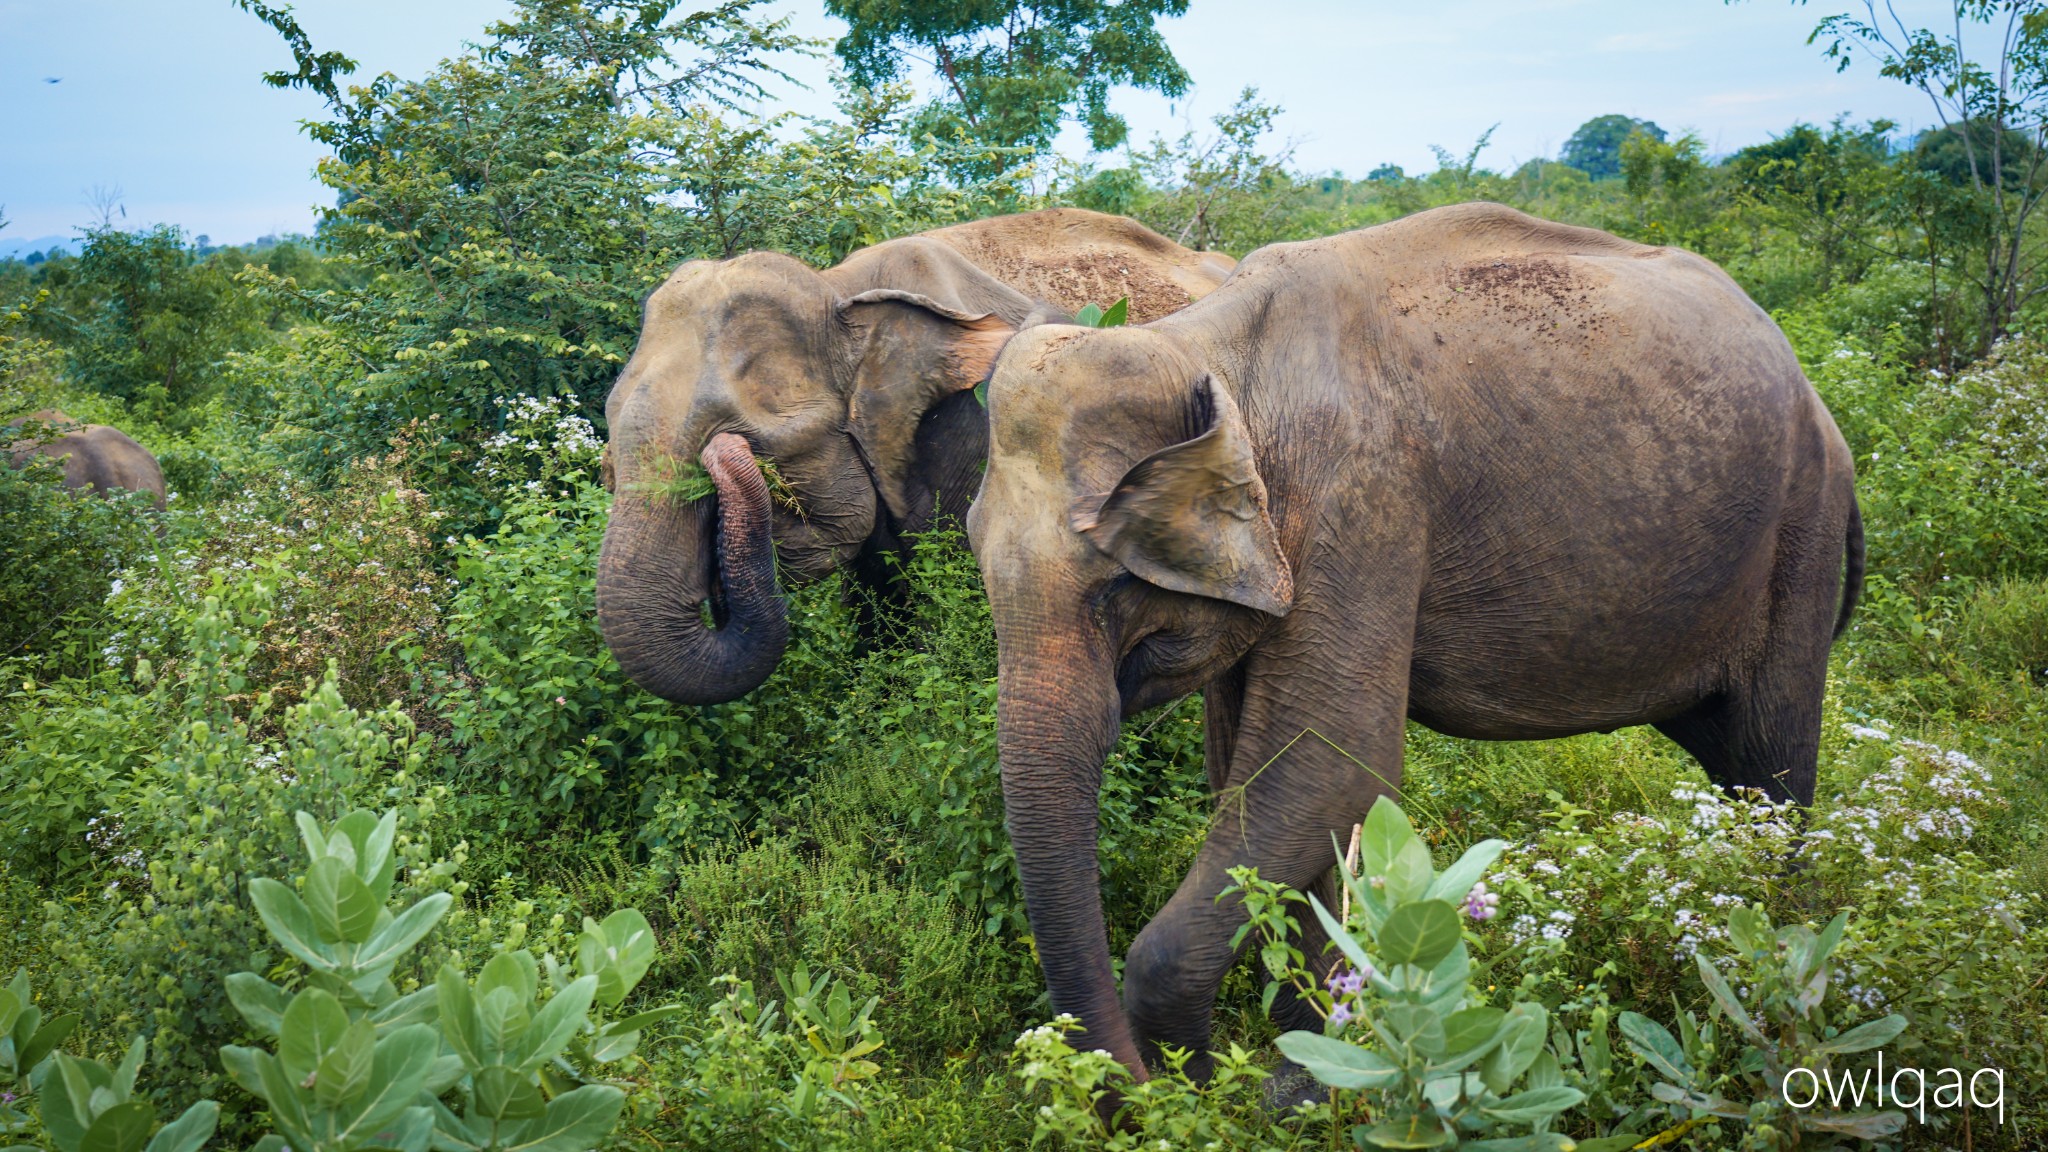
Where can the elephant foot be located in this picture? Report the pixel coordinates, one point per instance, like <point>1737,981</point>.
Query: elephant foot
<point>1289,1086</point>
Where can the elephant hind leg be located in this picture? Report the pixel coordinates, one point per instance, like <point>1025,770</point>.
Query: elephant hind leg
<point>1763,730</point>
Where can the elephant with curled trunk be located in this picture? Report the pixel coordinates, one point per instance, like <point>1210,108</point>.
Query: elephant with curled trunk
<point>1510,479</point>
<point>95,457</point>
<point>856,383</point>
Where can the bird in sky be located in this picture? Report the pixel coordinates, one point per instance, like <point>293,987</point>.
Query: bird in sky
<point>53,79</point>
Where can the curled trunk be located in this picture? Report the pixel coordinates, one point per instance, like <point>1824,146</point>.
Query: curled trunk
<point>663,560</point>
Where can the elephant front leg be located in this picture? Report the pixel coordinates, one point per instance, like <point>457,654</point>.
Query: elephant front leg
<point>1306,765</point>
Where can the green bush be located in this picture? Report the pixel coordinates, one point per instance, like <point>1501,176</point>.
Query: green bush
<point>64,550</point>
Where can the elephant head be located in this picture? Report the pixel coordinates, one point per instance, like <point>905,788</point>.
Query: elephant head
<point>1126,546</point>
<point>761,357</point>
<point>94,457</point>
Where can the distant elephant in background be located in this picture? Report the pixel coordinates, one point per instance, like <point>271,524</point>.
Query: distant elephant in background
<point>856,384</point>
<point>94,456</point>
<point>1511,479</point>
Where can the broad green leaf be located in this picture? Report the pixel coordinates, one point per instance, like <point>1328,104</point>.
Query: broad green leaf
<point>1385,833</point>
<point>1089,316</point>
<point>1724,998</point>
<point>44,1042</point>
<point>377,865</point>
<point>1420,1028</point>
<point>288,921</point>
<point>122,1082</point>
<point>618,952</point>
<point>501,1023</point>
<point>400,1064</point>
<point>1652,1041</point>
<point>1448,979</point>
<point>122,1128</point>
<point>1470,1034</point>
<point>641,1020</point>
<point>610,1045</point>
<point>189,1132</point>
<point>1749,930</point>
<point>310,835</point>
<point>575,1121</point>
<point>418,1007</point>
<point>456,1011</point>
<point>313,1024</point>
<point>1411,1131</point>
<point>1866,1036</point>
<point>245,1067</point>
<point>11,1005</point>
<point>344,1073</point>
<point>343,909</point>
<point>443,1074</point>
<point>515,970</point>
<point>1457,880</point>
<point>1338,1064</point>
<point>1421,933</point>
<point>557,1022</point>
<point>405,930</point>
<point>66,1099</point>
<point>1535,1104</point>
<point>504,1093</point>
<point>413,1131</point>
<point>1517,1049</point>
<point>1117,314</point>
<point>260,1002</point>
<point>1408,877</point>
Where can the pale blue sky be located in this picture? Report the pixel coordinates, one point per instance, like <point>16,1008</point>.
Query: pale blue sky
<point>160,98</point>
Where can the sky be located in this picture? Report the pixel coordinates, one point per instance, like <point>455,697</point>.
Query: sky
<point>160,101</point>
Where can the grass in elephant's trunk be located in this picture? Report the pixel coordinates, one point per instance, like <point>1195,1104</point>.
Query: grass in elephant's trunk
<point>665,557</point>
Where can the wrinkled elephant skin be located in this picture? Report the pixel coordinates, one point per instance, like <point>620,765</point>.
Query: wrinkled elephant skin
<point>1511,479</point>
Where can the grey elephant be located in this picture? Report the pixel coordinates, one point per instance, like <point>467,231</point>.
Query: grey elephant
<point>856,383</point>
<point>1510,479</point>
<point>95,457</point>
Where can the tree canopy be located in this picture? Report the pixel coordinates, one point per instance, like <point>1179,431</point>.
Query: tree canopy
<point>1012,71</point>
<point>1595,148</point>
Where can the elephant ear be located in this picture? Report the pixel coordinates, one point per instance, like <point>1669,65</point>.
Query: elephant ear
<point>911,352</point>
<point>1192,517</point>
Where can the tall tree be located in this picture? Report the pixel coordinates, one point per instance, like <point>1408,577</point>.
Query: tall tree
<point>1993,109</point>
<point>1595,148</point>
<point>1012,71</point>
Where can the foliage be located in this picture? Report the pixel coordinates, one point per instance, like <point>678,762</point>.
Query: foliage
<point>86,1106</point>
<point>1013,70</point>
<point>27,1043</point>
<point>1787,974</point>
<point>1440,1067</point>
<point>64,549</point>
<point>1995,112</point>
<point>153,323</point>
<point>1595,146</point>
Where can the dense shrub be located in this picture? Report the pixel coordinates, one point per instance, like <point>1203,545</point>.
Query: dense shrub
<point>64,550</point>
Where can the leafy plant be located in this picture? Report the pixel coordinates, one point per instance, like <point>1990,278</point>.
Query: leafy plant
<point>88,1107</point>
<point>840,1037</point>
<point>27,1042</point>
<point>1095,316</point>
<point>1789,971</point>
<point>1433,1065</point>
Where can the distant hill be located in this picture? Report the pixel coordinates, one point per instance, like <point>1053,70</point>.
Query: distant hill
<point>19,249</point>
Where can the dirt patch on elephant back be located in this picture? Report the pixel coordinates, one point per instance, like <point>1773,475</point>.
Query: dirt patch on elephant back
<point>1090,277</point>
<point>1529,289</point>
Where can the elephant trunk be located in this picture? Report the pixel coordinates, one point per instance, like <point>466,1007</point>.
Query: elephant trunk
<point>1057,721</point>
<point>663,559</point>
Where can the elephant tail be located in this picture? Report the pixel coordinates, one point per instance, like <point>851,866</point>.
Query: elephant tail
<point>1852,577</point>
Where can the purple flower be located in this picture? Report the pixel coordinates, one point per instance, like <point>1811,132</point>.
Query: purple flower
<point>1340,1015</point>
<point>1345,981</point>
<point>1481,904</point>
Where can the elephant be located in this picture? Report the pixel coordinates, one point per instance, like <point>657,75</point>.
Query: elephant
<point>1507,478</point>
<point>856,383</point>
<point>94,456</point>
